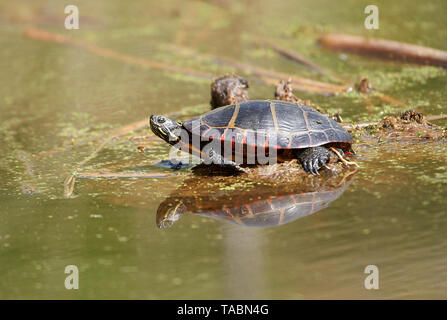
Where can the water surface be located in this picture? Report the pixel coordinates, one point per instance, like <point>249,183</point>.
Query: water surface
<point>52,96</point>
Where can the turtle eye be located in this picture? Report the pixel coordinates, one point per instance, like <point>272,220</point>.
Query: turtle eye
<point>161,120</point>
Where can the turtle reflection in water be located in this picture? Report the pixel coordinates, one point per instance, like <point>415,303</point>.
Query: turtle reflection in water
<point>262,206</point>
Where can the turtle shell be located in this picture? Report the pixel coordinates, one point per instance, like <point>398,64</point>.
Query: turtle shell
<point>258,122</point>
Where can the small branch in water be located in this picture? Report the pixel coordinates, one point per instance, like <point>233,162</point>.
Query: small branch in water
<point>70,181</point>
<point>358,125</point>
<point>389,99</point>
<point>42,35</point>
<point>385,49</point>
<point>303,88</point>
<point>299,83</point>
<point>69,185</point>
<point>298,58</point>
<point>295,57</point>
<point>122,175</point>
<point>144,138</point>
<point>109,135</point>
<point>115,133</point>
<point>438,117</point>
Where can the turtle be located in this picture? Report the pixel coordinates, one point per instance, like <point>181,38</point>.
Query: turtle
<point>264,206</point>
<point>238,134</point>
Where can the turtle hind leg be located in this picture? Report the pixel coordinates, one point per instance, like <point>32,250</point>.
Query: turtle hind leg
<point>312,159</point>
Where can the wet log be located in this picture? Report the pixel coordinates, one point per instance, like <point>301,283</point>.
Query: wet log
<point>385,48</point>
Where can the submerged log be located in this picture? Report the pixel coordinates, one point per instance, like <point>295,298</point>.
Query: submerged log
<point>385,49</point>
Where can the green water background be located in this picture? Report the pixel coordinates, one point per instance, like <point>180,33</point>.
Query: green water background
<point>393,215</point>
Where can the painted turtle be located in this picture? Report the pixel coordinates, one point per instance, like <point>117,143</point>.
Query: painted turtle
<point>263,206</point>
<point>280,130</point>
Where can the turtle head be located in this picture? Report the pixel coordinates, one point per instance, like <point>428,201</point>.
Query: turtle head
<point>165,128</point>
<point>169,212</point>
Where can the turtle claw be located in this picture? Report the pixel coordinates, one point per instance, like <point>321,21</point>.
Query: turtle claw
<point>305,166</point>
<point>313,159</point>
<point>322,161</point>
<point>316,166</point>
<point>311,166</point>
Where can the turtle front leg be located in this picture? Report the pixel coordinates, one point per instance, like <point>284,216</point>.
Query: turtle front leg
<point>216,158</point>
<point>312,159</point>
